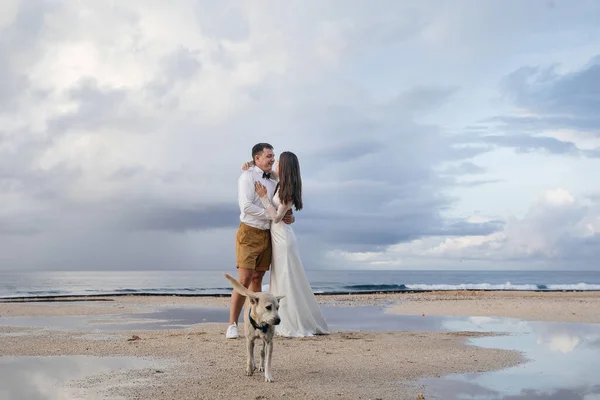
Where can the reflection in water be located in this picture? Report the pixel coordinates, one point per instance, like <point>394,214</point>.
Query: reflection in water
<point>562,342</point>
<point>338,318</point>
<point>564,359</point>
<point>47,378</point>
<point>166,318</point>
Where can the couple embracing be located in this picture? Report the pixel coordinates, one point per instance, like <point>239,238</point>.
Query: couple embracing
<point>265,238</point>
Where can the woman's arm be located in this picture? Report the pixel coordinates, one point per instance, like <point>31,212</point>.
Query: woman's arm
<point>275,215</point>
<point>249,164</point>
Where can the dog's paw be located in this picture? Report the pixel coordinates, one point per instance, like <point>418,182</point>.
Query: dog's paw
<point>261,368</point>
<point>268,378</point>
<point>249,372</point>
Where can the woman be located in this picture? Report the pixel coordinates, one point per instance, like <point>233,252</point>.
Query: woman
<point>299,310</point>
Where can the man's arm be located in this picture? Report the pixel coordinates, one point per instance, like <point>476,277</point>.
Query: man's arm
<point>289,217</point>
<point>246,193</point>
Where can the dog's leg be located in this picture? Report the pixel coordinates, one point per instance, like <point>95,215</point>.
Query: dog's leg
<point>250,354</point>
<point>262,357</point>
<point>268,376</point>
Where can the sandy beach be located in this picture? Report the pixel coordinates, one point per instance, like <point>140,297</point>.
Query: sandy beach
<point>198,362</point>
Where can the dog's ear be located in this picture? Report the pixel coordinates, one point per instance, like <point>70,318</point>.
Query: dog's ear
<point>253,299</point>
<point>279,297</point>
<point>237,286</point>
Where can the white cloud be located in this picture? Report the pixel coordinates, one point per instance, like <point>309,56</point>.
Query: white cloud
<point>556,198</point>
<point>558,228</point>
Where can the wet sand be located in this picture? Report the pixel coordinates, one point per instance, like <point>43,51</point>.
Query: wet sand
<point>531,306</point>
<point>202,364</point>
<point>198,362</point>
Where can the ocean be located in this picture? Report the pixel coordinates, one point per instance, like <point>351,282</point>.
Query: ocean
<point>211,283</point>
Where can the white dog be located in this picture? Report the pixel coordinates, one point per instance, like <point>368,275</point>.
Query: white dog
<point>261,314</point>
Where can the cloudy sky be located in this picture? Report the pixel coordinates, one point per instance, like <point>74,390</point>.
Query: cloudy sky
<point>448,135</point>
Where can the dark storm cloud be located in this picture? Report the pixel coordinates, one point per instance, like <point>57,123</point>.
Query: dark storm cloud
<point>180,66</point>
<point>361,232</point>
<point>21,225</point>
<point>18,42</point>
<point>100,108</point>
<point>364,231</point>
<point>464,228</point>
<point>343,152</point>
<point>464,168</point>
<point>526,143</point>
<point>478,182</point>
<point>222,19</point>
<point>425,98</point>
<point>554,101</point>
<point>545,122</point>
<point>547,92</point>
<point>180,219</point>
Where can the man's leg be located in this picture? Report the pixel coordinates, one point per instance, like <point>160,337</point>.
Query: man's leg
<point>237,300</point>
<point>256,281</point>
<point>263,262</point>
<point>246,253</point>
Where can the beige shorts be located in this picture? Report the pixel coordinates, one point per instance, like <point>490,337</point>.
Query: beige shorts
<point>253,248</point>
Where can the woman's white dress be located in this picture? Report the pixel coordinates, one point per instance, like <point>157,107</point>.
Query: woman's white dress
<point>299,311</point>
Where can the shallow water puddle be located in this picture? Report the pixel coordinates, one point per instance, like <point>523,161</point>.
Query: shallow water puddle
<point>163,318</point>
<point>338,318</point>
<point>49,378</point>
<point>564,362</point>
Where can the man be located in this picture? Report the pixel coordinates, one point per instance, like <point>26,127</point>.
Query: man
<point>253,239</point>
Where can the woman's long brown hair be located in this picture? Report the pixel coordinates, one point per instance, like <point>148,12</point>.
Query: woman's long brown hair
<point>290,182</point>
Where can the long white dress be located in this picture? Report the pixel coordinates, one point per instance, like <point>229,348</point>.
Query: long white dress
<point>299,311</point>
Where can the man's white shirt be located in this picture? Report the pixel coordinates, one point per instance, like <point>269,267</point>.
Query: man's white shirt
<point>252,211</point>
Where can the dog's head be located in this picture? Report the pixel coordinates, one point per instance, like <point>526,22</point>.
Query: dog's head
<point>265,306</point>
